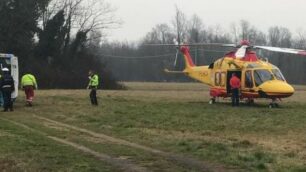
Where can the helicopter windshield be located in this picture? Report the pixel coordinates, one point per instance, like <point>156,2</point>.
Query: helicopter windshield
<point>261,76</point>
<point>278,75</point>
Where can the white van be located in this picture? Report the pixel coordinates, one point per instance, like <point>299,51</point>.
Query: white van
<point>11,62</point>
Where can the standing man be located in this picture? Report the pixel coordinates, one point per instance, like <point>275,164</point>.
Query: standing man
<point>28,84</point>
<point>7,87</point>
<point>235,87</point>
<point>93,85</point>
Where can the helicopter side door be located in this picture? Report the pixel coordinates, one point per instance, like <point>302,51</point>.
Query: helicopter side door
<point>228,78</point>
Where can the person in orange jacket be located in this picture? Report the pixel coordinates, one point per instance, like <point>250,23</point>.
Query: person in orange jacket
<point>235,88</point>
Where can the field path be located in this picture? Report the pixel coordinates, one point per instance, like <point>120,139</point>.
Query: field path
<point>124,165</point>
<point>186,162</point>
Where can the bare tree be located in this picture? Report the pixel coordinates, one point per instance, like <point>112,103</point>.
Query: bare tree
<point>279,36</point>
<point>160,34</point>
<point>93,15</point>
<point>245,27</point>
<point>180,25</point>
<point>83,16</point>
<point>195,30</point>
<point>300,40</point>
<point>247,32</point>
<point>256,37</point>
<point>235,31</point>
<point>164,33</point>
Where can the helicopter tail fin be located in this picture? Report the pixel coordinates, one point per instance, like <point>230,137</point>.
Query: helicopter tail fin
<point>188,60</point>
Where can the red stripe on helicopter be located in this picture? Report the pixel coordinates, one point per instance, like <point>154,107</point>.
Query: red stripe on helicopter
<point>218,92</point>
<point>185,51</point>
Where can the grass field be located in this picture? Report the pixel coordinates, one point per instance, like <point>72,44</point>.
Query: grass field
<point>152,127</point>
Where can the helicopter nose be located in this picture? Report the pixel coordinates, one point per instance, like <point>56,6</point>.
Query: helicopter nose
<point>276,88</point>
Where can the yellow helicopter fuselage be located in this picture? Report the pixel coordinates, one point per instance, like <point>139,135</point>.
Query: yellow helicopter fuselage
<point>259,78</point>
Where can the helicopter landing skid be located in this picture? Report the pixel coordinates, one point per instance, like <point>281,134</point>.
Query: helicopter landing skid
<point>273,104</point>
<point>212,100</point>
<point>249,101</point>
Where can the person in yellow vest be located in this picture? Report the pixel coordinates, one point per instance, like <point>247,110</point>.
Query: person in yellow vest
<point>93,85</point>
<point>28,84</point>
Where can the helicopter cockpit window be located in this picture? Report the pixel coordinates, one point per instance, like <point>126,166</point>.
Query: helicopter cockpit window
<point>248,79</point>
<point>278,75</point>
<point>261,76</point>
<point>211,66</point>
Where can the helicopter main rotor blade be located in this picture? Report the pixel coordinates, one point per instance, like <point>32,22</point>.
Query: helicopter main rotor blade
<point>212,44</point>
<point>196,44</point>
<point>215,44</point>
<point>283,50</point>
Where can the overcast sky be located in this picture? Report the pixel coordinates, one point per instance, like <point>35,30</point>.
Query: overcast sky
<point>140,16</point>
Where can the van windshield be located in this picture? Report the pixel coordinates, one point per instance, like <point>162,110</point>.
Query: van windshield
<point>5,62</point>
<point>261,76</point>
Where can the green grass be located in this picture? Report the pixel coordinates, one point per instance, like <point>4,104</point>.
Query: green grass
<point>247,138</point>
<point>23,150</point>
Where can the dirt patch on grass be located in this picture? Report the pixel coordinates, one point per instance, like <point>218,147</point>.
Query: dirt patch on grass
<point>8,165</point>
<point>56,127</point>
<point>124,164</point>
<point>208,136</point>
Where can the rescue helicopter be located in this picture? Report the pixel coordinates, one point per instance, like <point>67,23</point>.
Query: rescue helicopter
<point>259,78</point>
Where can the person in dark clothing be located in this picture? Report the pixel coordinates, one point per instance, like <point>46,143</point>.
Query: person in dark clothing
<point>7,87</point>
<point>235,87</point>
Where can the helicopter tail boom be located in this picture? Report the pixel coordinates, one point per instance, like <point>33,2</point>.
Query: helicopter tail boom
<point>199,73</point>
<point>188,60</point>
<point>171,71</point>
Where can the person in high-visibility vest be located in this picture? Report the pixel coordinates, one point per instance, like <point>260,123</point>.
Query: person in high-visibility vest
<point>93,85</point>
<point>28,84</point>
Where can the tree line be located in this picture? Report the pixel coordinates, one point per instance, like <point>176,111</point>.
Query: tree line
<point>140,62</point>
<point>55,39</point>
<point>60,40</point>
